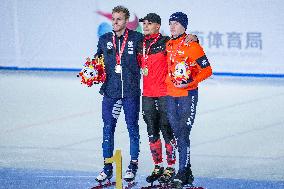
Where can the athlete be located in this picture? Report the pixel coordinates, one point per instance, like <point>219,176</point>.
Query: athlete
<point>154,68</point>
<point>121,89</point>
<point>187,66</point>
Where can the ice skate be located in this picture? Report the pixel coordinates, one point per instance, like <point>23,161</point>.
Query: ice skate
<point>182,179</point>
<point>103,176</point>
<point>103,180</point>
<point>157,172</point>
<point>167,175</point>
<point>131,172</point>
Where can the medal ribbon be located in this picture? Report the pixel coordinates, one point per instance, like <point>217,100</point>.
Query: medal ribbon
<point>118,56</point>
<point>146,52</point>
<point>173,56</point>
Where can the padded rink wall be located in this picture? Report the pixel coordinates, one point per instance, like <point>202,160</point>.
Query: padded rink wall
<point>243,38</point>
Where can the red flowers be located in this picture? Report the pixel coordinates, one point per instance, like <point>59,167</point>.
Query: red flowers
<point>93,72</point>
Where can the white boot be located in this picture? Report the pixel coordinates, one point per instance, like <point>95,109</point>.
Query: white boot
<point>103,177</point>
<point>131,172</point>
<point>129,176</point>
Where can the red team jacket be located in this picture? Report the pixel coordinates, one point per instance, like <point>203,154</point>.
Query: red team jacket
<point>154,84</point>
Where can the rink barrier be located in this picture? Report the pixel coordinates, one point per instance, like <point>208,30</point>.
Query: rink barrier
<point>230,74</point>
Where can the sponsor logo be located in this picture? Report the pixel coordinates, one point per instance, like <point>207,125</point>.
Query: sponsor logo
<point>204,62</point>
<point>130,47</point>
<point>109,45</point>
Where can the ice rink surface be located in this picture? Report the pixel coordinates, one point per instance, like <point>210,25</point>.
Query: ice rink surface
<point>51,133</point>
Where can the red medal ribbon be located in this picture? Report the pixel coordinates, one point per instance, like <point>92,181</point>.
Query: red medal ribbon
<point>146,52</point>
<point>173,56</point>
<point>118,56</point>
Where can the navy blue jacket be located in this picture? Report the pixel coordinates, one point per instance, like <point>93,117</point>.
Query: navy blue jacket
<point>130,84</point>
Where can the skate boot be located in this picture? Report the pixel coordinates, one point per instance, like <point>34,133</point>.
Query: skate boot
<point>167,176</point>
<point>183,178</point>
<point>157,172</point>
<point>106,174</point>
<point>131,171</point>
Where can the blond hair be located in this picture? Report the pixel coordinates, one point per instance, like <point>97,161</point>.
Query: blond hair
<point>122,9</point>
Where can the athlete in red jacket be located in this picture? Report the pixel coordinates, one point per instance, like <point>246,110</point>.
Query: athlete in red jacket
<point>152,53</point>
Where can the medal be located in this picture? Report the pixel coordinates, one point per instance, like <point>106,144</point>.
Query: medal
<point>172,56</point>
<point>145,71</point>
<point>118,68</point>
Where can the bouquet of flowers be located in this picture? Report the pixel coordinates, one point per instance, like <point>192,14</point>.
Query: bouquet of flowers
<point>93,71</point>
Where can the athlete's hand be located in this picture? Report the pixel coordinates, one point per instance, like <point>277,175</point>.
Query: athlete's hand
<point>190,38</point>
<point>193,83</point>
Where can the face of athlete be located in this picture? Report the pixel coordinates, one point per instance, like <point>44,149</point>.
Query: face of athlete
<point>176,28</point>
<point>150,28</point>
<point>119,22</point>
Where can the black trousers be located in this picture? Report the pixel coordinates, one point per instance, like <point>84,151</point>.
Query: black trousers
<point>154,110</point>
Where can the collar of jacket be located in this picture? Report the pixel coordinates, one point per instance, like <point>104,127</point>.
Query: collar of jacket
<point>120,37</point>
<point>152,36</point>
<point>180,36</point>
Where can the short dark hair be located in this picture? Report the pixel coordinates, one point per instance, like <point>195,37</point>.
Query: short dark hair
<point>122,9</point>
<point>151,17</point>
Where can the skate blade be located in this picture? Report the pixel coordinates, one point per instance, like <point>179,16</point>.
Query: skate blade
<point>193,187</point>
<point>153,186</point>
<point>157,186</point>
<point>104,184</point>
<point>130,184</point>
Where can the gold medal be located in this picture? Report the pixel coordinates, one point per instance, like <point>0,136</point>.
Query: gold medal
<point>145,71</point>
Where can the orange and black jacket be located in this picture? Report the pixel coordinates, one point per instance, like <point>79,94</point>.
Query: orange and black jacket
<point>191,53</point>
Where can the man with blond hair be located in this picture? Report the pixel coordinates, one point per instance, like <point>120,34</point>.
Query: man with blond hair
<point>121,89</point>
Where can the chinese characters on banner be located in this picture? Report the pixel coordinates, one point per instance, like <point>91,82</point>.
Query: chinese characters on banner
<point>230,40</point>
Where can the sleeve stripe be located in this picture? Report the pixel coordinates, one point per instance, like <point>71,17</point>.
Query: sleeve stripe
<point>203,62</point>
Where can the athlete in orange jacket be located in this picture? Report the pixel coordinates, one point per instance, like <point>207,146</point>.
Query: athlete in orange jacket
<point>187,66</point>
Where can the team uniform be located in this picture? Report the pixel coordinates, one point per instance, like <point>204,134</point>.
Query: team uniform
<point>187,66</point>
<point>152,54</point>
<point>120,89</point>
